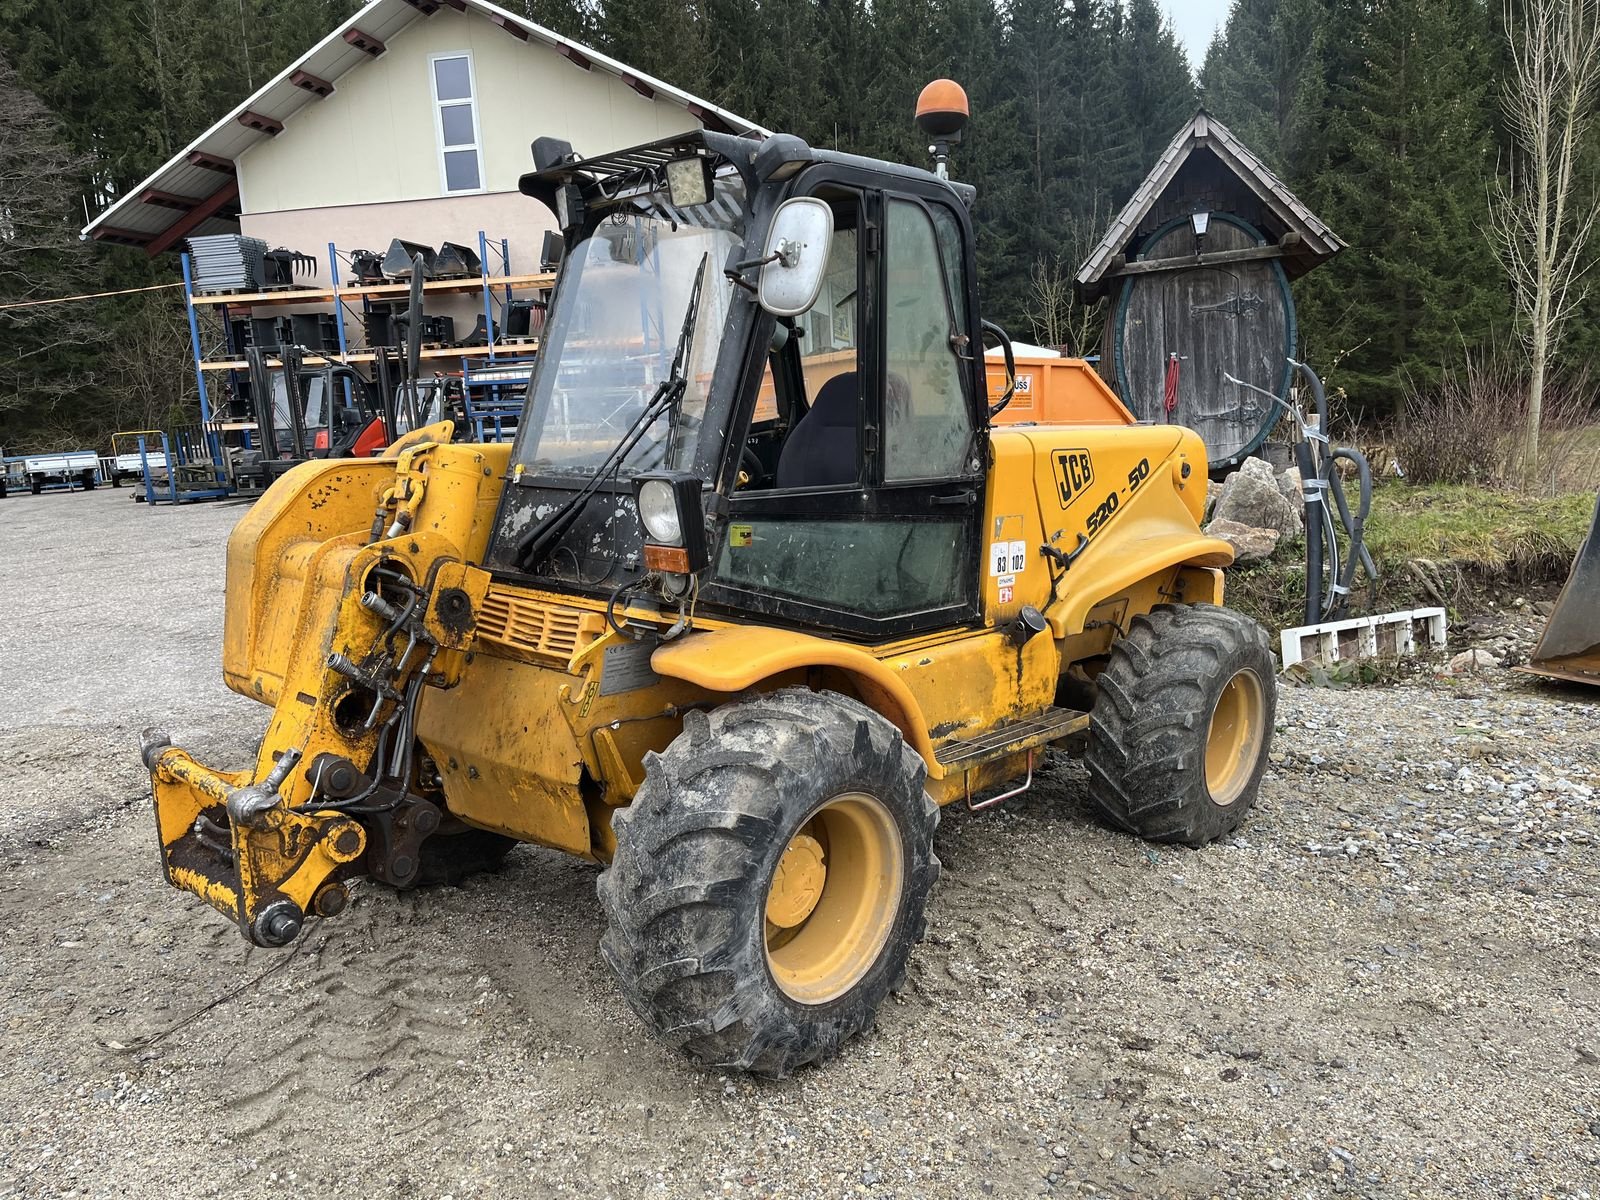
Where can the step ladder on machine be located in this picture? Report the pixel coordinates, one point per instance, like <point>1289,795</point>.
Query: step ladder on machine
<point>1029,735</point>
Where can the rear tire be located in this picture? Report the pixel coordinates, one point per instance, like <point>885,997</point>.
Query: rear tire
<point>1179,735</point>
<point>770,880</point>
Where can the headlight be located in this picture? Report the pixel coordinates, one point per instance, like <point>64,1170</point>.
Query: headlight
<point>671,510</point>
<point>658,509</point>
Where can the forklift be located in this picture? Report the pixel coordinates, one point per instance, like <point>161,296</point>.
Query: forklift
<point>331,410</point>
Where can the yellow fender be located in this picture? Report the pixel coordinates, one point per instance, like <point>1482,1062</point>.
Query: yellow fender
<point>734,659</point>
<point>1155,535</point>
<point>270,555</point>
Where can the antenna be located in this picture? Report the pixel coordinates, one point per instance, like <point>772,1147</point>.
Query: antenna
<point>942,114</point>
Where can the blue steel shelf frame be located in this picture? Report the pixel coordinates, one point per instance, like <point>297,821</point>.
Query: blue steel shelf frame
<point>493,254</point>
<point>213,442</point>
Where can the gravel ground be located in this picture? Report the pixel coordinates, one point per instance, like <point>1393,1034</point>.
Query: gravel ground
<point>1386,985</point>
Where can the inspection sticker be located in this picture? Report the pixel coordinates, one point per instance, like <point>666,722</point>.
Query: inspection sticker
<point>1008,558</point>
<point>741,535</point>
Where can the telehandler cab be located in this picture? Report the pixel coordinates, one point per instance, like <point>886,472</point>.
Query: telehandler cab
<point>758,588</point>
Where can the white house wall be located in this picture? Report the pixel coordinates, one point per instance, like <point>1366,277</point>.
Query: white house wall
<point>373,140</point>
<point>362,166</point>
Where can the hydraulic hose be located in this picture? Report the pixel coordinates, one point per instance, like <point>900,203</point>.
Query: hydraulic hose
<point>1355,528</point>
<point>1316,459</point>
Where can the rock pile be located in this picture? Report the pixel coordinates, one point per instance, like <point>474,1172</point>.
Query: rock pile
<point>1256,510</point>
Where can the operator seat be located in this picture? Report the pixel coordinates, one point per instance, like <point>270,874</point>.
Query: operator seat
<point>821,449</point>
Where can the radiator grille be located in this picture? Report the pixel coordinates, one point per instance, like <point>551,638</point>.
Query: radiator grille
<point>529,628</point>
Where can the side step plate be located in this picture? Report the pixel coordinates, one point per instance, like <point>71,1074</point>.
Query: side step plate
<point>1012,738</point>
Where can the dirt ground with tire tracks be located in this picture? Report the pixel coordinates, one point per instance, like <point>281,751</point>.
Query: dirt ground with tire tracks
<point>1388,984</point>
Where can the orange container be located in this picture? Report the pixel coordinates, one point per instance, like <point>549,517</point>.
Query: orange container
<point>1056,391</point>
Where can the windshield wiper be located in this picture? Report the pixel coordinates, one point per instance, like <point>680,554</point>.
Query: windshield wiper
<point>533,542</point>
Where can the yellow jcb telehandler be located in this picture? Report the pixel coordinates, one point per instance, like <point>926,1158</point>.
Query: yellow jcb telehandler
<point>758,588</point>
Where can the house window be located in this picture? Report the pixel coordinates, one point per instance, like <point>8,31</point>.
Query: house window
<point>456,122</point>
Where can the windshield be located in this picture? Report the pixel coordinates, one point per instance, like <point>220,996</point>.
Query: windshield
<point>311,389</point>
<point>611,340</point>
<point>325,418</point>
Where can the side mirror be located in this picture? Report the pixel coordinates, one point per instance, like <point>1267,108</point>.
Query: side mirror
<point>796,256</point>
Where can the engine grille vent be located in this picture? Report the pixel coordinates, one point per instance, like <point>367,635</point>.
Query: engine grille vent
<point>544,633</point>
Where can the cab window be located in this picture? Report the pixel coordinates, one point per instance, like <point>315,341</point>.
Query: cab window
<point>927,419</point>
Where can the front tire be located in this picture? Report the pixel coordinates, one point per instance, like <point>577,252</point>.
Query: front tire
<point>770,880</point>
<point>1179,734</point>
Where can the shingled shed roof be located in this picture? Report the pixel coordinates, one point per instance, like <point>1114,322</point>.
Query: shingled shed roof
<point>197,192</point>
<point>1281,215</point>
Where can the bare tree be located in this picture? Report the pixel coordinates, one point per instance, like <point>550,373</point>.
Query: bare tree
<point>1050,299</point>
<point>41,259</point>
<point>1053,309</point>
<point>149,382</point>
<point>1541,222</point>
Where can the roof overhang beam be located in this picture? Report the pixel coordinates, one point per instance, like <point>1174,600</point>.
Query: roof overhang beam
<point>211,162</point>
<point>160,199</point>
<point>307,82</point>
<point>121,237</point>
<point>194,218</point>
<point>260,122</point>
<point>364,41</point>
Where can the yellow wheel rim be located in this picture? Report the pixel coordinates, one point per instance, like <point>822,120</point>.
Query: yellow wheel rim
<point>832,901</point>
<point>1234,740</point>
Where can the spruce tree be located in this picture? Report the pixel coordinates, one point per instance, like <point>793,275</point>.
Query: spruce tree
<point>1411,147</point>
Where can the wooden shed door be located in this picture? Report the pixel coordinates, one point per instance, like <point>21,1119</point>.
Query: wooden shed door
<point>1236,319</point>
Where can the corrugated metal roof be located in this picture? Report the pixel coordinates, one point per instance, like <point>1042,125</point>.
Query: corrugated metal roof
<point>1206,132</point>
<point>328,60</point>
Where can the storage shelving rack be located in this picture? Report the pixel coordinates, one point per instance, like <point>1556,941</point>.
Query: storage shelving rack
<point>496,290</point>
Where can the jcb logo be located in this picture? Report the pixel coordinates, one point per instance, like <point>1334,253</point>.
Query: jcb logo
<point>1074,472</point>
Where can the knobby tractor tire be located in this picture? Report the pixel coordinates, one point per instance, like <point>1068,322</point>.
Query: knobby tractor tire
<point>1178,737</point>
<point>770,879</point>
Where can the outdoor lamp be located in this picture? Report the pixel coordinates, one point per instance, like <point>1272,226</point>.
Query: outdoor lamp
<point>1200,220</point>
<point>689,181</point>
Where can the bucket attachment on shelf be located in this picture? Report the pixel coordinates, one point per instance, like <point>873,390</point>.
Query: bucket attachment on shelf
<point>456,261</point>
<point>282,265</point>
<point>397,263</point>
<point>366,266</point>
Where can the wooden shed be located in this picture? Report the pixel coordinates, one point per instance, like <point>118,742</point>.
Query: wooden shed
<point>1196,271</point>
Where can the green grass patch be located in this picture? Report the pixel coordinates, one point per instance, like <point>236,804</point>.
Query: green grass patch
<point>1484,530</point>
<point>1437,544</point>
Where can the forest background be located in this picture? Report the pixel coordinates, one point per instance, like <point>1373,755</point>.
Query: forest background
<point>1385,116</point>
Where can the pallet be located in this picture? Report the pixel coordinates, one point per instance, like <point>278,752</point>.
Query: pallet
<point>1391,635</point>
<point>279,292</point>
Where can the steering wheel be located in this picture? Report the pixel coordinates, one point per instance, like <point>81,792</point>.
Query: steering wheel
<point>750,464</point>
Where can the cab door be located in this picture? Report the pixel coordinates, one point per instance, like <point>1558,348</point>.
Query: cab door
<point>866,523</point>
